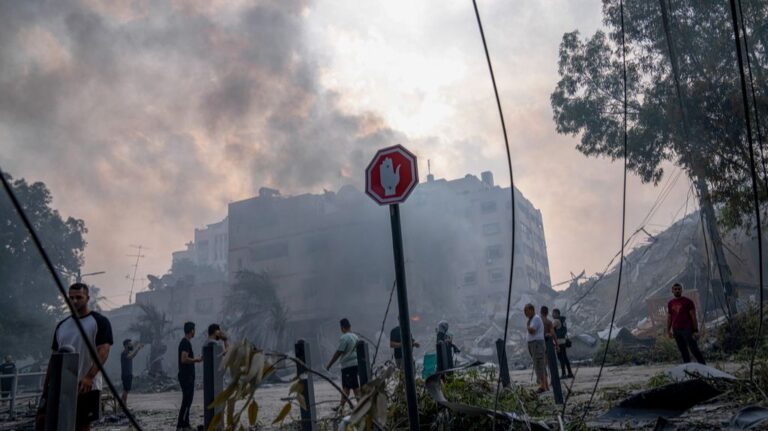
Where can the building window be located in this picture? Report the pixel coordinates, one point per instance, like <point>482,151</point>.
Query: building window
<point>269,251</point>
<point>491,229</point>
<point>204,306</point>
<point>493,252</point>
<point>470,277</point>
<point>488,207</point>
<point>496,275</point>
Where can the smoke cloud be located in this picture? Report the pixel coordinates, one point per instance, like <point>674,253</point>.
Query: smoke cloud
<point>154,113</point>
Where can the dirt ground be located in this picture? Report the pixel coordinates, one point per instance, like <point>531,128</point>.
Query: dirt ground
<point>158,411</point>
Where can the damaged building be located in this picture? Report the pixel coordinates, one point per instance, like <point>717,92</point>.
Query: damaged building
<point>330,256</point>
<point>331,253</point>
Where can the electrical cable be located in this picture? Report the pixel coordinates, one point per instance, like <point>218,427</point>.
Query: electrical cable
<point>623,216</point>
<point>753,174</point>
<point>754,97</point>
<point>666,190</point>
<point>512,192</point>
<point>384,322</point>
<point>89,346</point>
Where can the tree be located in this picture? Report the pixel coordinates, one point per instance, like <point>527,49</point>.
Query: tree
<point>30,305</point>
<point>253,310</point>
<point>587,100</point>
<point>153,328</point>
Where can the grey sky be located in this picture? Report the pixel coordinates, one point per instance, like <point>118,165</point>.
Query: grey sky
<point>146,117</point>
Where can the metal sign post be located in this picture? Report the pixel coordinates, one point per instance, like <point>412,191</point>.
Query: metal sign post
<point>405,321</point>
<point>213,382</point>
<point>389,179</point>
<point>308,415</point>
<point>61,400</point>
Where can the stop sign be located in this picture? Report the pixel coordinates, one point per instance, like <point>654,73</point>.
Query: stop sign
<point>391,176</point>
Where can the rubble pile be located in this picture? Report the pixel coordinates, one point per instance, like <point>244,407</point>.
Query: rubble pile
<point>677,254</point>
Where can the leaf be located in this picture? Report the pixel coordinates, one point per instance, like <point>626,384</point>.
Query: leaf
<point>302,401</point>
<point>253,411</point>
<point>283,413</point>
<point>214,422</point>
<point>232,352</point>
<point>231,413</point>
<point>257,367</point>
<point>223,395</point>
<point>296,387</point>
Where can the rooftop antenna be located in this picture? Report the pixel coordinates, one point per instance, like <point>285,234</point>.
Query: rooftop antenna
<point>138,256</point>
<point>80,276</point>
<point>430,177</point>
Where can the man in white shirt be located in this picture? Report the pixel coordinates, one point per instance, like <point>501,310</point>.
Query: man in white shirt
<point>536,346</point>
<point>99,332</point>
<point>347,352</point>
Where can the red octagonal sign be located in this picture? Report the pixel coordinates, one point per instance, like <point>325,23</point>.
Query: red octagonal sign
<point>391,176</point>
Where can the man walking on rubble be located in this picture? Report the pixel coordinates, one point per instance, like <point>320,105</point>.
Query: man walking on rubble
<point>682,324</point>
<point>536,346</point>
<point>347,351</point>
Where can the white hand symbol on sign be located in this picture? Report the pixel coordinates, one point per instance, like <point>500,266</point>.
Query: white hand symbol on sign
<point>390,177</point>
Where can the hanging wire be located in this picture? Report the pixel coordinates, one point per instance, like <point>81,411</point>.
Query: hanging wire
<point>384,322</point>
<point>623,216</point>
<point>754,97</point>
<point>89,346</point>
<point>753,174</point>
<point>512,193</point>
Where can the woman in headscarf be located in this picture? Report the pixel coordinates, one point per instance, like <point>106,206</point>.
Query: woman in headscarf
<point>446,337</point>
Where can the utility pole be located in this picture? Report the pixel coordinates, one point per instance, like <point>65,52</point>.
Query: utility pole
<point>138,256</point>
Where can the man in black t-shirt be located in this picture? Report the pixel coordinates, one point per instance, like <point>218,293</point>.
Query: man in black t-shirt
<point>187,362</point>
<point>99,332</point>
<point>395,342</point>
<point>126,365</point>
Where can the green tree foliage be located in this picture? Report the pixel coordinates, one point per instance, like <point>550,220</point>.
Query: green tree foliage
<point>253,310</point>
<point>589,96</point>
<point>29,302</point>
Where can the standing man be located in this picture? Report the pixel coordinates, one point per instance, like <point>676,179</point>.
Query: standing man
<point>126,365</point>
<point>347,351</point>
<point>682,324</point>
<point>217,336</point>
<point>536,346</point>
<point>8,368</point>
<point>562,341</point>
<point>551,348</point>
<point>395,342</point>
<point>99,332</point>
<point>187,362</point>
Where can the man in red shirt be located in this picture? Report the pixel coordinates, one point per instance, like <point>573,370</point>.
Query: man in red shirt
<point>682,324</point>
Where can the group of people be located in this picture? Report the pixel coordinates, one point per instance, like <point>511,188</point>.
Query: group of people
<point>540,332</point>
<point>682,325</point>
<point>186,361</point>
<point>98,331</point>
